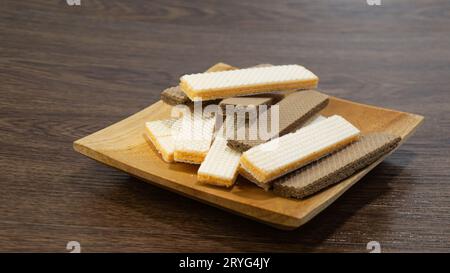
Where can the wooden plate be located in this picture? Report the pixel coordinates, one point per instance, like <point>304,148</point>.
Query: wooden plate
<point>123,146</point>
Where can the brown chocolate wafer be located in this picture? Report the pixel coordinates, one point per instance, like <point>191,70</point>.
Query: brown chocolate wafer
<point>242,103</point>
<point>335,167</point>
<point>247,105</point>
<point>294,110</point>
<point>174,95</point>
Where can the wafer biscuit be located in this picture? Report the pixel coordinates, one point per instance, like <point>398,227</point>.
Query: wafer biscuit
<point>174,95</point>
<point>335,167</point>
<point>243,103</point>
<point>161,134</point>
<point>220,166</point>
<point>266,186</point>
<point>209,86</point>
<point>279,156</point>
<point>294,110</point>
<point>194,138</point>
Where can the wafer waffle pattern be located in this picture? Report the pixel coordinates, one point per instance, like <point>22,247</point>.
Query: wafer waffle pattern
<point>162,134</point>
<point>294,110</point>
<point>220,166</point>
<point>174,95</point>
<point>266,186</point>
<point>335,167</point>
<point>207,86</point>
<point>194,138</point>
<point>282,155</point>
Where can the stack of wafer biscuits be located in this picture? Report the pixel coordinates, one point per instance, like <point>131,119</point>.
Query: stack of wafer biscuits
<point>266,125</point>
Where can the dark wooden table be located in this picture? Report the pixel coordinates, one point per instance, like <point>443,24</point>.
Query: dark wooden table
<point>67,71</point>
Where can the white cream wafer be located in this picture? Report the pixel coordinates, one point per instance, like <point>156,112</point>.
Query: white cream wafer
<point>266,186</point>
<point>282,155</point>
<point>194,138</point>
<point>161,134</point>
<point>214,85</point>
<point>220,166</point>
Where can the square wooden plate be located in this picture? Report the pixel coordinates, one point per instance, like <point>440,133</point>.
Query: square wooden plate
<point>123,146</point>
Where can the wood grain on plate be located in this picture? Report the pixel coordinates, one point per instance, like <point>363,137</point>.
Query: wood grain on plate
<point>123,145</point>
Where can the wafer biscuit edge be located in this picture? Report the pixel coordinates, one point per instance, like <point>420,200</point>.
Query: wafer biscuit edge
<point>166,155</point>
<point>216,180</point>
<point>191,157</point>
<point>249,177</point>
<point>221,93</point>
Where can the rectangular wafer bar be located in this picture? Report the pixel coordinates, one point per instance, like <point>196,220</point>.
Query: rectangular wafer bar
<point>174,95</point>
<point>248,81</point>
<point>294,110</point>
<point>220,166</point>
<point>161,134</point>
<point>282,155</point>
<point>266,186</point>
<point>335,167</point>
<point>194,137</point>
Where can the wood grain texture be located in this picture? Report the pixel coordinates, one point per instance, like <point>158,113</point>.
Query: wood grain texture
<point>124,145</point>
<point>66,72</point>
